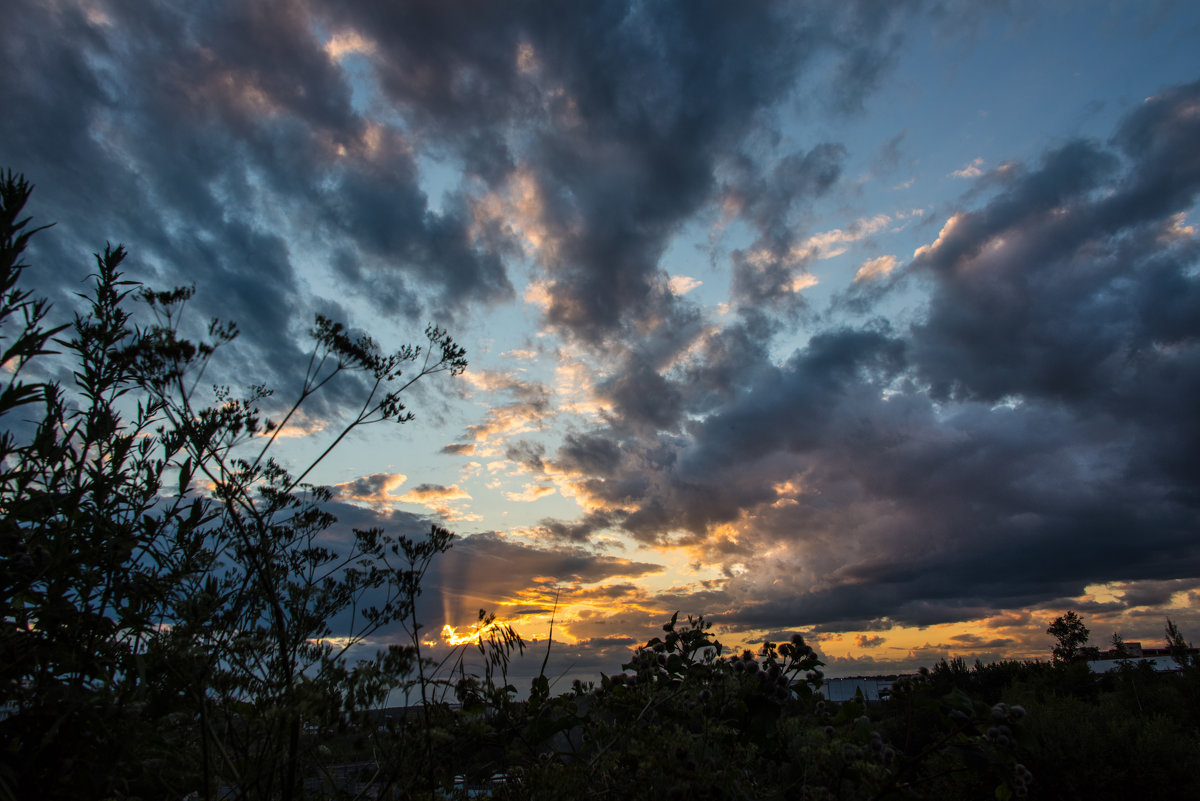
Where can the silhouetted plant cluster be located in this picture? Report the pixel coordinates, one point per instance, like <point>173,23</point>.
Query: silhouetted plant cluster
<point>684,720</point>
<point>169,591</point>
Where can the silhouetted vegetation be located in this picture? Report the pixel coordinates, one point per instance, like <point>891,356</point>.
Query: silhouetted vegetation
<point>168,592</point>
<point>169,597</point>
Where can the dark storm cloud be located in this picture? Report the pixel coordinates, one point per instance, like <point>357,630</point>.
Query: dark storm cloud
<point>1092,298</point>
<point>1031,434</point>
<point>768,201</point>
<point>1154,593</point>
<point>368,485</point>
<point>220,143</point>
<point>642,397</point>
<point>870,46</point>
<point>764,274</point>
<point>582,453</point>
<point>625,113</point>
<point>225,145</point>
<point>386,213</point>
<point>727,363</point>
<point>578,531</point>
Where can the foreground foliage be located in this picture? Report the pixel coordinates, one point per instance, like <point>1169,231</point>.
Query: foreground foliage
<point>168,588</point>
<point>684,720</point>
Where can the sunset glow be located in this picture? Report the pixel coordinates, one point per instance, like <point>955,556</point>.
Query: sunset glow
<point>472,636</point>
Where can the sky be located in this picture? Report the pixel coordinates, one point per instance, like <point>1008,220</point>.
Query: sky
<point>878,322</point>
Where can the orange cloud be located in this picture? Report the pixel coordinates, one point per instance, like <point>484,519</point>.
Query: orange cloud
<point>529,411</point>
<point>427,494</point>
<point>437,498</point>
<point>375,489</point>
<point>509,420</point>
<point>530,493</point>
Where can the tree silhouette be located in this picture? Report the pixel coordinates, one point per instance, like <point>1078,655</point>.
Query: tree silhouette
<point>1070,637</point>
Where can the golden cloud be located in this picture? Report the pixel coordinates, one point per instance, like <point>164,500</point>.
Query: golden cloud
<point>530,493</point>
<point>375,489</point>
<point>426,494</point>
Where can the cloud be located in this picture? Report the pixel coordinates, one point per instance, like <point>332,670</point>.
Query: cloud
<point>300,425</point>
<point>438,498</point>
<point>377,489</point>
<point>224,148</point>
<point>999,451</point>
<point>530,493</point>
<point>683,284</point>
<point>531,408</point>
<point>348,42</point>
<point>625,137</point>
<point>489,571</point>
<point>1153,593</point>
<point>832,243</point>
<point>493,381</point>
<point>887,158</point>
<point>876,268</point>
<point>973,169</point>
<point>976,641</point>
<point>433,493</point>
<point>576,532</point>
